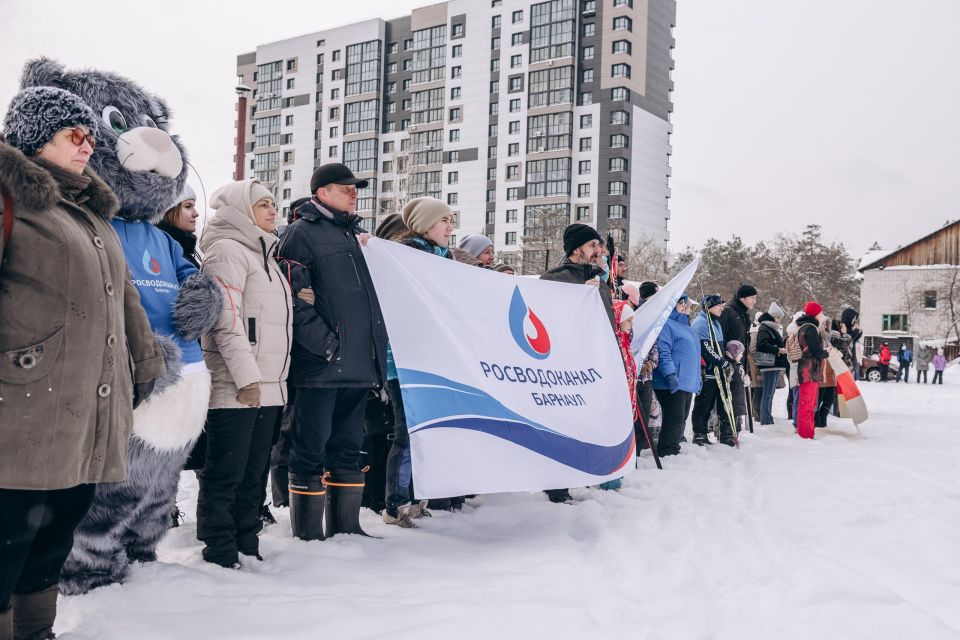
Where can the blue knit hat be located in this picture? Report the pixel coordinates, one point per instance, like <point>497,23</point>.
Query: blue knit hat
<point>36,114</point>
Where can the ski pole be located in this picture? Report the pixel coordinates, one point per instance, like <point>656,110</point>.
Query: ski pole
<point>646,434</point>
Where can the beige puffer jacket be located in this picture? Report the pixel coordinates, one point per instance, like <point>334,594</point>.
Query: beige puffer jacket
<point>251,342</point>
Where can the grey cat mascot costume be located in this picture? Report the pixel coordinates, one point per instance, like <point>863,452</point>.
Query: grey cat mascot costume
<point>145,167</point>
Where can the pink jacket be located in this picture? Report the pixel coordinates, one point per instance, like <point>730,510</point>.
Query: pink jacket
<point>939,362</point>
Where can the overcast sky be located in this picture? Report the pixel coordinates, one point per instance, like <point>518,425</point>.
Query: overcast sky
<point>841,113</point>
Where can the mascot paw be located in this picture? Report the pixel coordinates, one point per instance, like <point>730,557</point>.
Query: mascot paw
<point>198,306</point>
<point>173,361</point>
<point>81,581</point>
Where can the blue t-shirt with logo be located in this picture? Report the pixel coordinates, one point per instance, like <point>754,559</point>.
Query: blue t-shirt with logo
<point>158,267</point>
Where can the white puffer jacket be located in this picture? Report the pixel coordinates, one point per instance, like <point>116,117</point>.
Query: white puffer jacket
<point>251,342</point>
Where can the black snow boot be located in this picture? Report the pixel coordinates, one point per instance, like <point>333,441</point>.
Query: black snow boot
<point>558,496</point>
<point>176,517</point>
<point>308,497</point>
<point>265,516</point>
<point>34,613</point>
<point>440,504</point>
<point>701,439</point>
<point>278,483</point>
<point>344,495</point>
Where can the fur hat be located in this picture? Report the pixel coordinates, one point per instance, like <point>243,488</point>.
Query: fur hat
<point>734,348</point>
<point>648,288</point>
<point>475,244</point>
<point>776,311</point>
<point>576,235</point>
<point>632,293</point>
<point>745,291</point>
<point>711,300</point>
<point>812,309</point>
<point>38,113</point>
<point>422,213</point>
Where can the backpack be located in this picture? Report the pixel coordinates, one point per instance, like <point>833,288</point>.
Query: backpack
<point>794,350</point>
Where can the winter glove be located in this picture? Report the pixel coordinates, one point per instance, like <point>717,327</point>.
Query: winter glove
<point>673,384</point>
<point>306,294</point>
<point>142,391</point>
<point>250,395</point>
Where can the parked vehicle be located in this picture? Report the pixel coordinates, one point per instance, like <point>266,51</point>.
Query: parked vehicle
<point>870,368</point>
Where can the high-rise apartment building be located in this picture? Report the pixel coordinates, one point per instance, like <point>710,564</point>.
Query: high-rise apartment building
<point>513,112</point>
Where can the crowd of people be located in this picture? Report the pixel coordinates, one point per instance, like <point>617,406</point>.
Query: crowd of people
<point>303,383</point>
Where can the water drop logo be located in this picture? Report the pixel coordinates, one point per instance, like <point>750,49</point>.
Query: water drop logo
<point>150,263</point>
<point>523,323</point>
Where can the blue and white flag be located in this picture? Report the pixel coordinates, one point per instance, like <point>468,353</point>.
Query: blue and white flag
<point>508,383</point>
<point>653,314</point>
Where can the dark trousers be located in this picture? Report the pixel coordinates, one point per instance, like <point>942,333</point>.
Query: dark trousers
<point>904,371</point>
<point>707,401</point>
<point>280,453</point>
<point>238,449</point>
<point>924,373</point>
<point>884,372</point>
<point>770,378</point>
<point>36,535</point>
<point>399,472</point>
<point>826,397</point>
<point>937,377</point>
<point>644,400</point>
<point>327,430</point>
<point>676,408</point>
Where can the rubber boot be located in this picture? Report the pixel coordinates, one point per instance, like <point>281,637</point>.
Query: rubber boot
<point>34,614</point>
<point>308,498</point>
<point>345,492</point>
<point>6,624</point>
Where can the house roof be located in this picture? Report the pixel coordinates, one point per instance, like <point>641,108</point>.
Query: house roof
<point>875,258</point>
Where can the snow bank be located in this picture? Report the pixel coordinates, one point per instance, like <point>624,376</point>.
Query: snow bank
<point>839,537</point>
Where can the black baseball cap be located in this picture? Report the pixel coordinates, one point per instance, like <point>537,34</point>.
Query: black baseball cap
<point>335,173</point>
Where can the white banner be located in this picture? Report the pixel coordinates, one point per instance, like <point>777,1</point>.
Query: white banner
<point>508,383</point>
<point>653,314</point>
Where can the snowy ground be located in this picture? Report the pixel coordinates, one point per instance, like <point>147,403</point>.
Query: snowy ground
<point>841,537</point>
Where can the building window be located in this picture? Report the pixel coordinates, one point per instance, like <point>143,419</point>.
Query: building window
<point>453,177</point>
<point>550,86</point>
<point>334,132</point>
<point>456,51</point>
<point>513,172</point>
<point>287,175</point>
<point>454,93</point>
<point>391,87</point>
<point>495,22</point>
<point>454,157</point>
<point>429,53</point>
<point>387,166</point>
<point>510,238</point>
<point>359,117</point>
<point>494,108</point>
<point>619,94</point>
<point>427,106</point>
<point>616,211</point>
<point>386,186</point>
<point>617,188</point>
<point>552,27</point>
<point>586,144</point>
<point>619,141</point>
<point>583,190</point>
<point>516,39</point>
<point>391,107</point>
<point>427,147</point>
<point>622,23</point>
<point>513,149</point>
<point>491,173</point>
<point>388,147</point>
<point>514,127</point>
<point>515,84</point>
<point>491,216</point>
<point>622,46</point>
<point>268,78</point>
<point>583,213</point>
<point>363,68</point>
<point>457,30</point>
<point>405,105</point>
<point>492,131</point>
<point>514,105</point>
<point>516,61</point>
<point>495,43</point>
<point>495,86</point>
<point>589,30</point>
<point>491,195</point>
<point>929,299</point>
<point>587,75</point>
<point>456,114</point>
<point>332,151</point>
<point>586,98</point>
<point>583,168</point>
<point>361,155</point>
<point>291,82</point>
<point>495,65</point>
<point>623,3</point>
<point>513,193</point>
<point>620,70</point>
<point>516,17</point>
<point>586,121</point>
<point>337,74</point>
<point>407,44</point>
<point>392,47</point>
<point>511,215</point>
<point>456,72</point>
<point>405,85</point>
<point>265,166</point>
<point>550,131</point>
<point>492,151</point>
<point>547,178</point>
<point>451,199</point>
<point>334,113</point>
<point>588,53</point>
<point>427,183</point>
<point>288,120</point>
<point>268,131</point>
<point>335,94</point>
<point>895,322</point>
<point>619,235</point>
<point>618,164</point>
<point>454,135</point>
<point>619,117</point>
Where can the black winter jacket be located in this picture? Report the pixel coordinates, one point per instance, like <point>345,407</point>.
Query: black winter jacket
<point>735,322</point>
<point>575,273</point>
<point>769,340</point>
<point>186,240</point>
<point>340,341</point>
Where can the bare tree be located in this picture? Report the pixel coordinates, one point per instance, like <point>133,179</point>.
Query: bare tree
<point>649,259</point>
<point>542,246</point>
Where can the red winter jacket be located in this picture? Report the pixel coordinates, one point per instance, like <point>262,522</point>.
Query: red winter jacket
<point>885,355</point>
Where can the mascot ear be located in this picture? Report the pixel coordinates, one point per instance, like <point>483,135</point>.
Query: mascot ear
<point>42,72</point>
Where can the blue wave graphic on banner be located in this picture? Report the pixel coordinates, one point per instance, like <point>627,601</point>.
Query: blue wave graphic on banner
<point>434,402</point>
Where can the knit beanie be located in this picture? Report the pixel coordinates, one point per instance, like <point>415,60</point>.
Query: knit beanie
<point>258,192</point>
<point>745,291</point>
<point>422,213</point>
<point>475,244</point>
<point>711,300</point>
<point>36,114</point>
<point>576,235</point>
<point>776,311</point>
<point>626,314</point>
<point>186,194</point>
<point>647,289</point>
<point>632,293</point>
<point>734,348</point>
<point>390,227</point>
<point>812,309</point>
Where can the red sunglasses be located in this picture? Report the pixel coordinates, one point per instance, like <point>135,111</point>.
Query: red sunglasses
<point>77,136</point>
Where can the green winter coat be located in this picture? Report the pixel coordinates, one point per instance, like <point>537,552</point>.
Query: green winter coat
<point>73,335</point>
